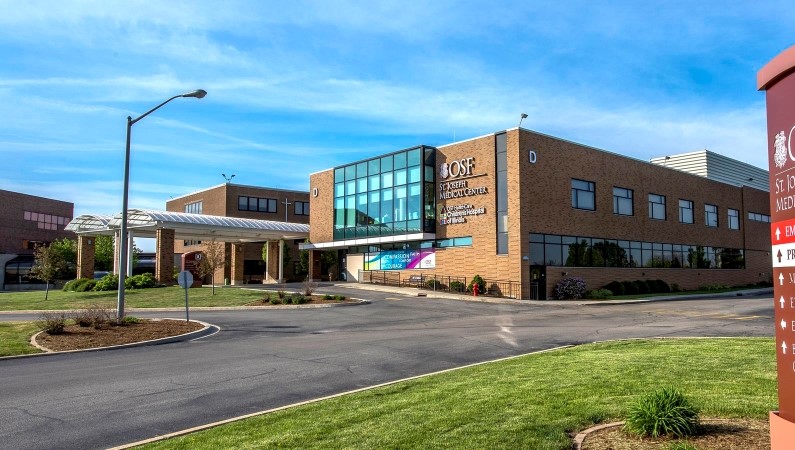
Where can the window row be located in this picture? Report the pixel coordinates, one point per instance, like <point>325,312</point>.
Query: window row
<point>396,161</point>
<point>301,208</point>
<point>47,221</point>
<point>583,196</point>
<point>256,204</point>
<point>578,251</point>
<point>759,217</point>
<point>194,208</point>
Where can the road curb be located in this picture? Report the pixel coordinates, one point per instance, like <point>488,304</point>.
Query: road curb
<point>208,330</point>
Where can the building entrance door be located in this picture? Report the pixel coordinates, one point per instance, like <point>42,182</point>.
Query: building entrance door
<point>538,282</point>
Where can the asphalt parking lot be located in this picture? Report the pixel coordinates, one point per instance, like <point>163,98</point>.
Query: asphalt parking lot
<point>267,358</point>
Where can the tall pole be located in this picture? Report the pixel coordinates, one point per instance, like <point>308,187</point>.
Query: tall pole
<point>199,93</point>
<point>123,240</point>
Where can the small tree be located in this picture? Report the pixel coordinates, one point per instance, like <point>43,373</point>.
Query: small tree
<point>213,258</point>
<point>66,250</point>
<point>47,266</point>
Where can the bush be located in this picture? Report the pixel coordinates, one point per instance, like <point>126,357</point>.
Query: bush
<point>339,297</point>
<point>615,287</point>
<point>479,281</point>
<point>94,315</point>
<point>457,286</point>
<point>142,281</point>
<point>433,284</point>
<point>52,323</point>
<point>630,288</point>
<point>642,287</point>
<point>276,300</point>
<point>281,293</point>
<point>328,297</point>
<point>68,286</point>
<point>569,288</point>
<point>309,287</point>
<point>85,285</point>
<point>712,287</point>
<point>675,288</point>
<point>129,320</point>
<point>665,412</point>
<point>599,294</point>
<point>109,282</point>
<point>662,286</point>
<point>298,299</point>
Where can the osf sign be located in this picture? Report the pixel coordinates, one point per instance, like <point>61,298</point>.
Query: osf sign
<point>456,169</point>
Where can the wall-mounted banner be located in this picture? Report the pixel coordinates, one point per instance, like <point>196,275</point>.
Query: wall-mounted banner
<point>450,215</point>
<point>400,260</point>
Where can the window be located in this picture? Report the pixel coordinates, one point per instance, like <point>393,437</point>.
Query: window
<point>686,211</point>
<point>501,152</point>
<point>657,206</point>
<point>46,221</point>
<point>582,194</point>
<point>758,217</point>
<point>256,204</point>
<point>711,215</point>
<point>734,219</point>
<point>622,201</point>
<point>301,208</point>
<point>194,208</point>
<point>191,242</point>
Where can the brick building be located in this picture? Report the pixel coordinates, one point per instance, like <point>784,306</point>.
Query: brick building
<point>27,221</point>
<point>248,202</point>
<point>522,207</point>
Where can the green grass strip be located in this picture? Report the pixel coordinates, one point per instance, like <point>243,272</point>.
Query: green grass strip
<point>15,338</point>
<point>168,297</point>
<point>529,402</point>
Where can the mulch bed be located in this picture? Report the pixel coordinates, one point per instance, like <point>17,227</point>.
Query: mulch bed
<point>715,434</point>
<point>76,337</point>
<point>315,300</point>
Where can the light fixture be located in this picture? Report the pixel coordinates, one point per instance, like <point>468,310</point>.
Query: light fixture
<point>521,118</point>
<point>228,179</point>
<point>198,93</point>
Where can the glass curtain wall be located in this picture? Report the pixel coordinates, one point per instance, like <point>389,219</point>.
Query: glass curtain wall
<point>384,196</point>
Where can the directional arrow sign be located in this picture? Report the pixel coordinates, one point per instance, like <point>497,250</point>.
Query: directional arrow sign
<point>778,234</point>
<point>783,324</point>
<point>781,300</point>
<point>778,255</point>
<point>784,348</point>
<point>781,279</point>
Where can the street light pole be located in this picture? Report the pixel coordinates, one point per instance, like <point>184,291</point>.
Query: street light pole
<point>199,93</point>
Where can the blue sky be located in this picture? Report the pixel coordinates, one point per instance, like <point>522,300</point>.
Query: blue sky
<point>295,87</point>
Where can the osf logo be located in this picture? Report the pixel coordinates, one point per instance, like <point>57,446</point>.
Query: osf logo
<point>783,147</point>
<point>459,168</point>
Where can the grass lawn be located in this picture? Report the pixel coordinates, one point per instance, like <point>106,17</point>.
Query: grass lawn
<point>528,402</point>
<point>172,296</point>
<point>15,338</point>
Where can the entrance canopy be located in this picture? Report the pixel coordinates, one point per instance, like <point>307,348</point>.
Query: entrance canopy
<point>145,223</point>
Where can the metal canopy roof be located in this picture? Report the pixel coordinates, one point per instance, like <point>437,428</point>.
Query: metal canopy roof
<point>145,223</point>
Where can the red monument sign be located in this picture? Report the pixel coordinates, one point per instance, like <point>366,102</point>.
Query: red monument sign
<point>777,79</point>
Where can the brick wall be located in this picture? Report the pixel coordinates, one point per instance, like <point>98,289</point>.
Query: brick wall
<point>14,229</point>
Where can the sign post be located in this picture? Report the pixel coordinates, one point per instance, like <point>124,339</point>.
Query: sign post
<point>185,280</point>
<point>777,79</point>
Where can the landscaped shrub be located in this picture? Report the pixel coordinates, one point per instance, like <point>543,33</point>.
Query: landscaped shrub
<point>52,323</point>
<point>298,299</point>
<point>675,288</point>
<point>479,281</point>
<point>662,286</point>
<point>630,288</point>
<point>281,293</point>
<point>328,297</point>
<point>94,315</point>
<point>599,294</point>
<point>109,282</point>
<point>615,287</point>
<point>339,297</point>
<point>142,281</point>
<point>68,285</point>
<point>642,287</point>
<point>665,412</point>
<point>433,284</point>
<point>85,285</point>
<point>712,287</point>
<point>130,320</point>
<point>309,287</point>
<point>276,300</point>
<point>569,288</point>
<point>457,286</point>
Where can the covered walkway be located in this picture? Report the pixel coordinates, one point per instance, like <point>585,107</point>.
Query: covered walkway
<point>166,227</point>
